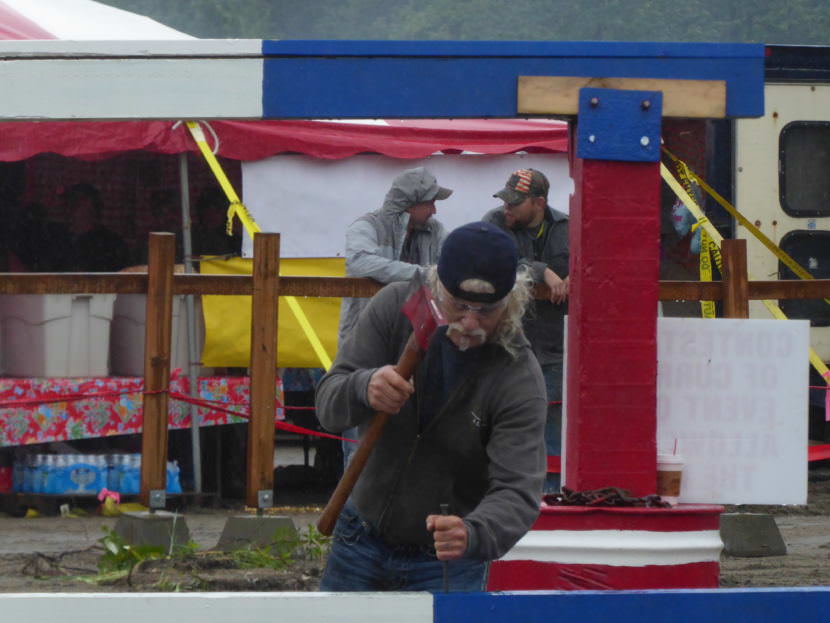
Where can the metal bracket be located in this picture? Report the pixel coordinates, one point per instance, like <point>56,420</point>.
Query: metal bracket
<point>617,124</point>
<point>265,498</point>
<point>158,499</point>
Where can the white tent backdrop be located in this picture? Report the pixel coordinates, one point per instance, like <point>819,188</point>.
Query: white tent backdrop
<point>311,202</point>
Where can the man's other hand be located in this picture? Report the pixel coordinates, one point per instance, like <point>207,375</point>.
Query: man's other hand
<point>449,534</point>
<point>388,390</point>
<point>558,286</point>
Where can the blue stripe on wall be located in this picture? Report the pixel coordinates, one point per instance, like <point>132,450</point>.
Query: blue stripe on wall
<point>793,605</point>
<point>544,49</point>
<point>366,79</point>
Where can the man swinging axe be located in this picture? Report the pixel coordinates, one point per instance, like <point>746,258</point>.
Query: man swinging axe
<point>467,429</point>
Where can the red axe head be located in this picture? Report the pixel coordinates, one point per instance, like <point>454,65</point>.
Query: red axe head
<point>423,312</point>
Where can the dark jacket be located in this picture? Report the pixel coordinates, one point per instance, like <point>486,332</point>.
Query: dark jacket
<point>482,453</point>
<point>544,321</point>
<point>98,250</point>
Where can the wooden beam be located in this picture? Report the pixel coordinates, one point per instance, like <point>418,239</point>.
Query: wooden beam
<point>73,283</point>
<point>157,339</point>
<point>795,289</point>
<point>328,286</point>
<point>289,285</point>
<point>690,291</point>
<point>559,95</point>
<point>789,289</point>
<point>264,318</point>
<point>136,283</point>
<point>735,279</point>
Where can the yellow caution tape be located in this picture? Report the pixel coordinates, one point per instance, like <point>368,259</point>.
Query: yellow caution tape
<point>782,255</point>
<point>238,209</point>
<point>714,250</point>
<point>707,308</point>
<point>717,239</point>
<point>321,353</point>
<point>684,173</point>
<point>711,247</point>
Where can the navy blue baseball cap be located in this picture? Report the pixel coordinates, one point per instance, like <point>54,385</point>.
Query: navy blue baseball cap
<point>478,251</point>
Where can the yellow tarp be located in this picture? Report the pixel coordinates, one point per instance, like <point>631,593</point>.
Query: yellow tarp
<point>228,318</point>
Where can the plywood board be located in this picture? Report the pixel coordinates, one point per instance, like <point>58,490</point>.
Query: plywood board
<point>559,95</point>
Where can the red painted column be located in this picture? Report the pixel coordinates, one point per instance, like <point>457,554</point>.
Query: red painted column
<point>612,324</point>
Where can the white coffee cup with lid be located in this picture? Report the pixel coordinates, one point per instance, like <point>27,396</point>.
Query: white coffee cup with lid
<point>669,477</point>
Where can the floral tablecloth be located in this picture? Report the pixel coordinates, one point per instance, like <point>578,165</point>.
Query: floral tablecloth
<point>31,409</point>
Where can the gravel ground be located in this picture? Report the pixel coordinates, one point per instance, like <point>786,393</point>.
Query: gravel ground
<point>48,554</point>
<point>806,533</point>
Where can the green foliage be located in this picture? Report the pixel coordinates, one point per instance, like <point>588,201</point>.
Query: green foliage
<point>166,585</point>
<point>120,555</point>
<point>315,544</point>
<point>309,544</point>
<point>110,577</point>
<point>268,557</point>
<point>120,559</point>
<point>795,22</point>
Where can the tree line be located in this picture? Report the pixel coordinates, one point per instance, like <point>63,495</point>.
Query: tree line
<point>804,22</point>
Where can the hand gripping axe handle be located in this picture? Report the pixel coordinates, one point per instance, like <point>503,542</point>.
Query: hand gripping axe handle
<point>425,316</point>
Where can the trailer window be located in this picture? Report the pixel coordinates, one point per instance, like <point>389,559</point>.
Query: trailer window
<point>811,249</point>
<point>804,171</point>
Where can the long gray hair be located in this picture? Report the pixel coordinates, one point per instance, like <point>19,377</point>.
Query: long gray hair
<point>510,325</point>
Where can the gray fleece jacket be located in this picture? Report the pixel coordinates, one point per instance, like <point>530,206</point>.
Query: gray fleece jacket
<point>483,452</point>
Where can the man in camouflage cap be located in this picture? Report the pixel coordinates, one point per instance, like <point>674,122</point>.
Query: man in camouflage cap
<point>541,233</point>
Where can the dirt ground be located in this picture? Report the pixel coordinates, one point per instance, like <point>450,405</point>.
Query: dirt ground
<point>806,533</point>
<point>60,554</point>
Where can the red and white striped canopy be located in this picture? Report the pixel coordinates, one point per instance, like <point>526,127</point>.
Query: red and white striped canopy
<point>240,140</point>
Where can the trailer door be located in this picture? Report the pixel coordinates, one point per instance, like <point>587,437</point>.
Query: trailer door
<point>782,185</point>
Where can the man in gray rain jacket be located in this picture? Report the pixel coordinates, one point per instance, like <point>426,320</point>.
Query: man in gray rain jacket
<point>392,244</point>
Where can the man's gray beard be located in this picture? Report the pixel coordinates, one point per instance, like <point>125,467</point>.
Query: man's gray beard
<point>465,341</point>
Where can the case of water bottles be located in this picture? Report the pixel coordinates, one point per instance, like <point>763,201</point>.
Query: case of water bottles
<point>85,474</point>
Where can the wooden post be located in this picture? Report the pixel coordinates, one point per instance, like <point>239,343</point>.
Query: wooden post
<point>735,279</point>
<point>264,316</point>
<point>157,363</point>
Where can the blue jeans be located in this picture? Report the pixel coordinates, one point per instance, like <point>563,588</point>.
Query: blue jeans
<point>349,446</point>
<point>553,427</point>
<point>360,560</point>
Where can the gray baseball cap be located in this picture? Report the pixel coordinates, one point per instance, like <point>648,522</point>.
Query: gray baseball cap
<point>415,186</point>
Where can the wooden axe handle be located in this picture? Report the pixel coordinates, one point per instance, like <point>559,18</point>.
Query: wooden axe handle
<point>406,368</point>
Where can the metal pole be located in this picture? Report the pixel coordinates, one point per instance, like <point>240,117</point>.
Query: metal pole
<point>190,307</point>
